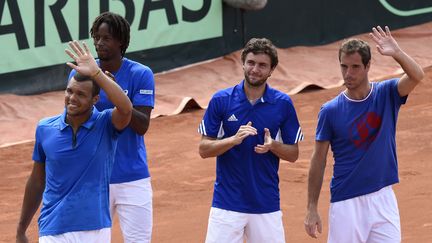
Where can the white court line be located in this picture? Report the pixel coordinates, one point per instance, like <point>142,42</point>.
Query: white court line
<point>16,143</point>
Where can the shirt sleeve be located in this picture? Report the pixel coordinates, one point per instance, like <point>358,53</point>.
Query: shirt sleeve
<point>323,130</point>
<point>291,132</point>
<point>38,151</point>
<point>394,92</point>
<point>211,124</point>
<point>144,91</point>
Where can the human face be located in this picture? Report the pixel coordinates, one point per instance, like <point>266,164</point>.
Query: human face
<point>354,73</point>
<point>79,100</point>
<point>107,47</point>
<point>257,69</point>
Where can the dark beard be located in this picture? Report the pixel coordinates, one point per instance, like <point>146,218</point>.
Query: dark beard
<point>257,84</point>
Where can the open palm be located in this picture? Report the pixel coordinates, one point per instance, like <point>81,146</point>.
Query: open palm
<point>85,63</point>
<point>386,44</point>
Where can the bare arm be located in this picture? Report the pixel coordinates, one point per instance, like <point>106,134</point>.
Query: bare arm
<point>140,120</point>
<point>388,46</point>
<point>86,65</point>
<point>288,152</point>
<point>211,147</point>
<point>316,174</point>
<point>32,199</point>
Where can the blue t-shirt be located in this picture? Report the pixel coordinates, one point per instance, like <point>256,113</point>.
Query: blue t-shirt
<point>246,181</point>
<point>362,138</point>
<point>78,170</point>
<point>137,81</point>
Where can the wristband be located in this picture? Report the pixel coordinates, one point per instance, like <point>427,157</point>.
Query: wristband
<point>96,74</point>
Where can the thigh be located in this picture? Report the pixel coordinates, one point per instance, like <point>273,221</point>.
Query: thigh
<point>348,221</point>
<point>266,227</point>
<point>225,226</point>
<point>137,192</point>
<point>133,205</point>
<point>386,226</point>
<point>90,236</point>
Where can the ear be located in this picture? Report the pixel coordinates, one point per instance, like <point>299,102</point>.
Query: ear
<point>271,71</point>
<point>95,99</point>
<point>368,66</point>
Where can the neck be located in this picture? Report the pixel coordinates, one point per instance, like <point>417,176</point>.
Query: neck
<point>111,65</point>
<point>254,92</point>
<point>360,92</point>
<point>76,121</point>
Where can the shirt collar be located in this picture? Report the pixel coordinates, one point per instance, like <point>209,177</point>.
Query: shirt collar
<point>87,124</point>
<point>267,97</point>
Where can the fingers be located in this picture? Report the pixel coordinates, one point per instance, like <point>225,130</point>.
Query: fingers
<point>311,229</point>
<point>249,128</point>
<point>71,65</point>
<point>311,232</point>
<point>261,149</point>
<point>378,32</point>
<point>78,48</point>
<point>313,225</point>
<point>387,29</point>
<point>71,54</point>
<point>245,133</point>
<point>110,75</point>
<point>374,37</point>
<point>86,48</point>
<point>266,132</point>
<point>74,46</point>
<point>381,31</point>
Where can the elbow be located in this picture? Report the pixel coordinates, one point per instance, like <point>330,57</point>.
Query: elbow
<point>142,131</point>
<point>419,76</point>
<point>293,157</point>
<point>126,109</point>
<point>203,152</point>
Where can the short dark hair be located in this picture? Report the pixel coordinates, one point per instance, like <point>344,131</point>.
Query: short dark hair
<point>261,46</point>
<point>82,78</point>
<point>118,26</point>
<point>354,45</point>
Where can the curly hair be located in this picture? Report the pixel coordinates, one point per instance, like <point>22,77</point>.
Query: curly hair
<point>119,28</point>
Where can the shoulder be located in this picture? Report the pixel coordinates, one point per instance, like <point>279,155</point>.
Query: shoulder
<point>50,121</point>
<point>136,66</point>
<point>105,114</point>
<point>386,83</point>
<point>279,95</point>
<point>224,93</point>
<point>333,103</point>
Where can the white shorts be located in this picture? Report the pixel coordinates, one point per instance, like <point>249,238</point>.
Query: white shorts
<point>90,236</point>
<point>132,201</point>
<point>233,227</point>
<point>370,218</point>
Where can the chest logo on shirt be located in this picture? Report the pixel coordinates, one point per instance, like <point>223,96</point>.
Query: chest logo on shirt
<point>232,118</point>
<point>365,129</point>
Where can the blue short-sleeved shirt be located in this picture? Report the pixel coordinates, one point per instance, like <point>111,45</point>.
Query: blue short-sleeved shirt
<point>246,181</point>
<point>78,170</point>
<point>137,81</point>
<point>362,137</point>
